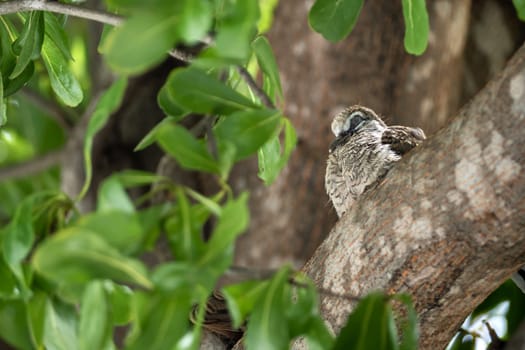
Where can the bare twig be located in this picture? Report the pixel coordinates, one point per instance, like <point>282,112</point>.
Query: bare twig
<point>57,7</point>
<point>32,166</point>
<point>62,117</point>
<point>246,76</point>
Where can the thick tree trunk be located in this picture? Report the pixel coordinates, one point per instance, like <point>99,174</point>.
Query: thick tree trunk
<point>446,225</point>
<point>292,217</point>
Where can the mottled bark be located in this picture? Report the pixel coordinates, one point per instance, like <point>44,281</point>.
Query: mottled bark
<point>292,217</point>
<point>446,225</point>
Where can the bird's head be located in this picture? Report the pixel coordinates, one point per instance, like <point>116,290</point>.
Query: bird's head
<point>353,119</point>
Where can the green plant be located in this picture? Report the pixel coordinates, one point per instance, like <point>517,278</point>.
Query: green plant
<point>69,278</point>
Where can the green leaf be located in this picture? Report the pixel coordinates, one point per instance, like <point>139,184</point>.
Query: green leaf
<point>266,59</point>
<point>184,229</point>
<point>269,156</point>
<point>195,20</point>
<point>185,148</point>
<point>13,85</point>
<point>122,230</point>
<point>119,299</point>
<point>369,326</point>
<point>232,222</point>
<point>61,334</point>
<point>302,308</point>
<point>271,161</point>
<point>416,26</point>
<point>13,324</point>
<point>3,117</point>
<point>210,204</point>
<point>153,33</point>
<point>236,27</point>
<point>169,105</point>
<point>133,178</point>
<point>94,325</point>
<point>152,134</point>
<point>267,326</point>
<point>8,287</point>
<point>410,331</point>
<point>267,8</point>
<point>113,197</point>
<point>151,219</point>
<point>334,20</point>
<point>76,256</point>
<point>36,316</point>
<point>7,36</point>
<point>182,276</point>
<point>186,239</point>
<point>242,298</point>
<point>108,103</point>
<point>248,130</point>
<point>194,90</point>
<point>55,32</point>
<point>30,42</point>
<point>318,335</point>
<point>128,5</point>
<point>162,321</point>
<point>227,154</point>
<point>63,82</point>
<point>18,237</point>
<point>520,8</point>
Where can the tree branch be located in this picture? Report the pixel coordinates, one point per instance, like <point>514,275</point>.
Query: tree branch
<point>446,225</point>
<point>32,166</point>
<point>57,7</point>
<point>245,75</point>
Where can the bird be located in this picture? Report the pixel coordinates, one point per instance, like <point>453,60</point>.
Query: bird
<point>363,151</point>
<point>217,320</point>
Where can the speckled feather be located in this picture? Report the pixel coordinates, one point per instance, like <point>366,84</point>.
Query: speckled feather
<point>364,150</point>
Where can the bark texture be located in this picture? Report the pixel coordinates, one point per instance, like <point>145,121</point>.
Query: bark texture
<point>448,223</point>
<point>292,217</point>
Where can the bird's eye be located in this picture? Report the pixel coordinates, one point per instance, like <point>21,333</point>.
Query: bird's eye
<point>355,121</point>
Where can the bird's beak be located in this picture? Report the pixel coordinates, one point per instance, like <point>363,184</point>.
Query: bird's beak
<point>341,139</point>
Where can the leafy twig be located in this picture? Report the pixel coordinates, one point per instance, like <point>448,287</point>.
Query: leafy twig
<point>115,20</point>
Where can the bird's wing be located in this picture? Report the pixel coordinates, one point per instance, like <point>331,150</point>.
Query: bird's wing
<point>402,139</point>
<point>217,319</point>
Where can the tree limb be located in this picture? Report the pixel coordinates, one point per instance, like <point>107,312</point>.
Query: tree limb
<point>446,225</point>
<point>57,7</point>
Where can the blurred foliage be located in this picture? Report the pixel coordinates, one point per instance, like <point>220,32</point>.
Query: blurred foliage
<point>67,279</point>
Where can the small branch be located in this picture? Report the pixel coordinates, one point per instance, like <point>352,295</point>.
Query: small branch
<point>57,7</point>
<point>255,88</point>
<point>181,55</point>
<point>32,166</point>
